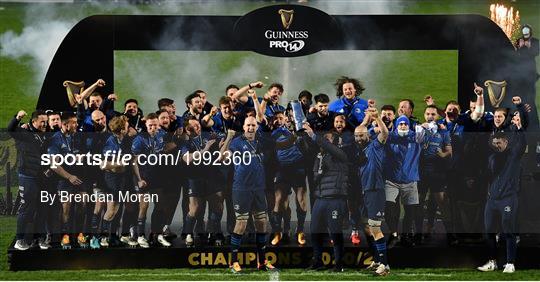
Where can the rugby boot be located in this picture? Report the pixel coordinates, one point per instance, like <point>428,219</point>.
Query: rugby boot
<point>21,245</point>
<point>168,234</point>
<point>509,268</point>
<point>266,266</point>
<point>491,265</point>
<point>143,242</point>
<point>220,240</point>
<point>382,270</point>
<point>276,238</point>
<point>373,266</point>
<point>235,268</point>
<point>65,242</point>
<point>82,240</point>
<point>301,238</point>
<point>355,238</point>
<point>128,240</point>
<point>44,244</point>
<point>94,243</point>
<point>189,240</point>
<point>104,242</point>
<point>161,239</point>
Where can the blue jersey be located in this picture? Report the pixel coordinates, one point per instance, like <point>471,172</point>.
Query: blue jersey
<point>241,109</point>
<point>371,173</point>
<point>221,125</point>
<point>113,145</point>
<point>457,139</point>
<point>147,145</point>
<point>64,144</point>
<point>288,155</point>
<point>433,141</point>
<point>271,109</point>
<point>197,170</point>
<point>249,174</point>
<point>403,156</point>
<point>352,109</point>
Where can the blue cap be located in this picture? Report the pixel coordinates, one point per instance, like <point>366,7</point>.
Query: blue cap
<point>401,119</point>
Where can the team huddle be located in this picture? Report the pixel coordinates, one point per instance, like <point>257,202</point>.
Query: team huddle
<point>346,160</point>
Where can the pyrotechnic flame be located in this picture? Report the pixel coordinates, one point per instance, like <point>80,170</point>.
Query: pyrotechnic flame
<point>506,19</point>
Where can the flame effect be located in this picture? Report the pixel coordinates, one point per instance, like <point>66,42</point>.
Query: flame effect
<point>506,19</point>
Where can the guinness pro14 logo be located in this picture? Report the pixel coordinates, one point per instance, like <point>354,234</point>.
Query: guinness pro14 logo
<point>289,40</point>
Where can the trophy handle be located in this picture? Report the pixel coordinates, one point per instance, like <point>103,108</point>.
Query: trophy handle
<point>496,101</point>
<point>73,88</point>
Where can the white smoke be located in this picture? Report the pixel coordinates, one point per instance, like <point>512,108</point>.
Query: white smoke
<point>39,42</point>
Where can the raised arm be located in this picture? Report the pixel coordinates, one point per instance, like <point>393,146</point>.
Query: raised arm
<point>208,121</point>
<point>383,134</point>
<point>88,91</point>
<point>479,109</point>
<point>259,112</point>
<point>240,94</point>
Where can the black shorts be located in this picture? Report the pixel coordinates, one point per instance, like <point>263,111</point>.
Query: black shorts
<point>65,185</point>
<point>432,181</point>
<point>291,176</point>
<point>249,201</point>
<point>201,188</point>
<point>114,183</point>
<point>374,201</point>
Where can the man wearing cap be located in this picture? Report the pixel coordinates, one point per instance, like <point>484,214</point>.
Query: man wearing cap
<point>401,172</point>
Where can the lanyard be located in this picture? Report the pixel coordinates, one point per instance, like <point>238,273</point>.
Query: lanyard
<point>70,146</point>
<point>254,148</point>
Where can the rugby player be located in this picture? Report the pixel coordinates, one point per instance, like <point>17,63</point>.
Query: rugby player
<point>401,172</point>
<point>116,176</point>
<point>436,152</point>
<point>290,174</point>
<point>248,192</point>
<point>68,141</point>
<point>370,175</point>
<point>201,188</point>
<point>349,103</point>
<point>150,143</point>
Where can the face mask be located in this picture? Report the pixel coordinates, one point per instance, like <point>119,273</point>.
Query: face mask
<point>526,32</point>
<point>403,133</point>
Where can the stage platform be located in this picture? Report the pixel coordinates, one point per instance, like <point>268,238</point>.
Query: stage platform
<point>433,253</point>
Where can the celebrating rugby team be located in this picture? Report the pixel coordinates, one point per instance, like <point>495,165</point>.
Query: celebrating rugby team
<point>349,160</point>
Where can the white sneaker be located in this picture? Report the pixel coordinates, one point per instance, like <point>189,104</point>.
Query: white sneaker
<point>189,240</point>
<point>162,241</point>
<point>143,242</point>
<point>382,270</point>
<point>491,265</point>
<point>128,241</point>
<point>509,268</point>
<point>104,241</point>
<point>21,245</point>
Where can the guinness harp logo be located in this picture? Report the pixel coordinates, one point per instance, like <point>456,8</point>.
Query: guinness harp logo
<point>496,101</point>
<point>286,17</point>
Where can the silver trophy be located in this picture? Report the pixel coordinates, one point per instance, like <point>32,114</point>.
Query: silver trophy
<point>298,115</point>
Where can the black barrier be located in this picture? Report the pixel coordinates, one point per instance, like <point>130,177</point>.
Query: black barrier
<point>485,53</point>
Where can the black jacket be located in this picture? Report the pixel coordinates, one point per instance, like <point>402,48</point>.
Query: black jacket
<point>505,168</point>
<point>331,171</point>
<point>30,145</point>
